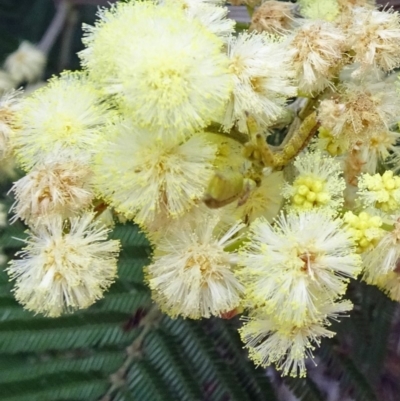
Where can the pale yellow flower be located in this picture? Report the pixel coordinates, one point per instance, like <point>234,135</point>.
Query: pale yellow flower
<point>66,114</point>
<point>55,187</point>
<point>170,76</point>
<point>192,273</point>
<point>262,77</point>
<point>287,267</point>
<point>211,13</point>
<point>317,49</point>
<point>27,63</point>
<point>327,10</point>
<point>360,111</point>
<point>380,191</point>
<point>374,38</point>
<point>273,17</point>
<point>152,176</point>
<point>66,265</point>
<point>288,346</point>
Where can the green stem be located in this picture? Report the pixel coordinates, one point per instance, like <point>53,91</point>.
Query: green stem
<point>387,227</point>
<point>250,11</point>
<point>233,133</point>
<point>242,26</point>
<point>308,108</point>
<point>234,246</point>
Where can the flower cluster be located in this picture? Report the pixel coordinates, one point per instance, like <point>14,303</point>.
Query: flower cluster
<point>179,128</point>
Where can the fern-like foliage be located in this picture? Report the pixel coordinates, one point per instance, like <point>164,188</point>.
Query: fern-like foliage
<point>123,348</point>
<point>103,352</point>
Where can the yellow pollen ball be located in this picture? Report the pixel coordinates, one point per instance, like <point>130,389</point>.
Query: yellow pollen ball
<point>311,196</point>
<point>309,192</point>
<point>383,189</point>
<point>298,199</point>
<point>303,190</point>
<point>364,229</point>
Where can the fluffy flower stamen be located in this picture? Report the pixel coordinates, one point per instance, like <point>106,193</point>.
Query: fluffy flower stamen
<point>65,266</point>
<point>192,275</point>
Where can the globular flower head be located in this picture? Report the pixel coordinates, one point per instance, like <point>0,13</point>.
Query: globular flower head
<point>66,114</point>
<point>273,17</point>
<point>365,229</point>
<point>381,147</point>
<point>380,191</point>
<point>318,184</point>
<point>152,176</point>
<point>192,274</point>
<point>327,10</point>
<point>287,267</point>
<point>317,52</point>
<point>26,63</point>
<point>66,265</point>
<point>210,13</point>
<point>262,80</point>
<point>9,105</point>
<point>374,37</point>
<point>360,111</point>
<point>61,187</point>
<point>288,345</point>
<point>170,76</point>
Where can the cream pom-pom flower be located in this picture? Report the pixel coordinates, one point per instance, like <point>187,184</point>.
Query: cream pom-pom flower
<point>288,346</point>
<point>326,10</point>
<point>66,265</point>
<point>360,111</point>
<point>66,114</point>
<point>374,37</point>
<point>274,17</point>
<point>152,176</point>
<point>288,266</point>
<point>170,76</point>
<point>381,147</point>
<point>380,191</point>
<point>262,77</point>
<point>26,63</point>
<point>58,186</point>
<point>317,49</point>
<point>211,13</point>
<point>192,273</point>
